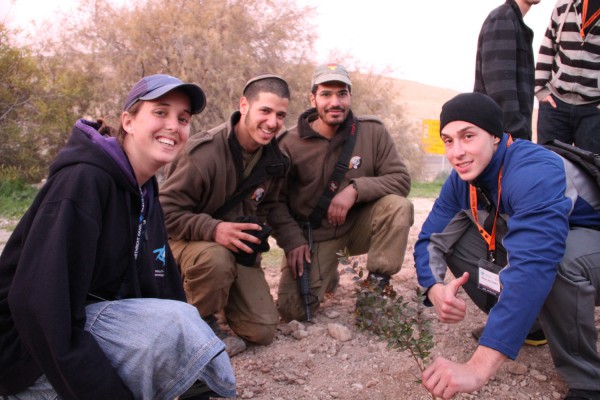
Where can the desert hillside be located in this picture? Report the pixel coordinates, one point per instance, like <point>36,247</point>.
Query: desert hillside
<point>422,101</point>
<point>425,102</point>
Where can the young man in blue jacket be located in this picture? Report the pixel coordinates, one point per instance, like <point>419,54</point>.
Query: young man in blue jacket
<point>517,226</point>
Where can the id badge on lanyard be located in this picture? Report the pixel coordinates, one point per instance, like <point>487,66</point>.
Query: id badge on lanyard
<point>489,277</point>
<point>489,271</point>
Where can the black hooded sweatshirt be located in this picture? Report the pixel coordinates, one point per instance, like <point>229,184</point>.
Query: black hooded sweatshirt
<point>77,244</point>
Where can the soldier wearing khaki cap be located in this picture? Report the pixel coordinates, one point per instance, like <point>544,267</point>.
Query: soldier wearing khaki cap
<point>215,199</point>
<point>363,208</point>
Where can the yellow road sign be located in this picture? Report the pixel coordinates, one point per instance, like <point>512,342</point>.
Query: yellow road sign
<point>431,137</point>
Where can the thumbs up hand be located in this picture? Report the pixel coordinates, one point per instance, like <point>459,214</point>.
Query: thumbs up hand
<point>448,307</point>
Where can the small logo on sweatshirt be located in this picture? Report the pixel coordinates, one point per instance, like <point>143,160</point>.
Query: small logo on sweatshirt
<point>160,254</point>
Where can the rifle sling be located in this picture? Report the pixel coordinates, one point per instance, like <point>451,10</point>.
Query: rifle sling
<point>341,167</point>
<point>259,174</point>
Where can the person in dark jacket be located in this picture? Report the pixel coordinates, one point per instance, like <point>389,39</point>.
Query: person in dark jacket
<point>566,76</point>
<point>504,68</point>
<point>91,300</point>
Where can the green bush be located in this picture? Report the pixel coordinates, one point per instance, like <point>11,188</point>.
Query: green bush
<point>21,174</point>
<point>15,197</point>
<point>402,323</point>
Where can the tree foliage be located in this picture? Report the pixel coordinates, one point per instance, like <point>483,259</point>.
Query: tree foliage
<point>36,108</point>
<point>376,94</point>
<point>88,66</point>
<point>217,44</point>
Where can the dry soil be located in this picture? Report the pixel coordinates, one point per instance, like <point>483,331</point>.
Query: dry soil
<point>307,362</point>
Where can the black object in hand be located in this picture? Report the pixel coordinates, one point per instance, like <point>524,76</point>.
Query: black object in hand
<point>249,259</point>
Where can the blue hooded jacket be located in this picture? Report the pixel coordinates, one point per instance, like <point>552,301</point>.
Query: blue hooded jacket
<point>543,196</point>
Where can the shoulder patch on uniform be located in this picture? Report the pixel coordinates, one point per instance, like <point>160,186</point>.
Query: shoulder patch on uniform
<point>370,118</point>
<point>199,139</point>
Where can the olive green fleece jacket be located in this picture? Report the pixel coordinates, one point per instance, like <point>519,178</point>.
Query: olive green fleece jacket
<point>206,176</point>
<point>376,170</point>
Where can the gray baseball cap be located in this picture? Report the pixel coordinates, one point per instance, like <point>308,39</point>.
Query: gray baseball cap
<point>154,86</point>
<point>331,73</point>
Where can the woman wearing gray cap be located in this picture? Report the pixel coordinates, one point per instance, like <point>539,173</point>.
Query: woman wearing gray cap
<point>91,301</point>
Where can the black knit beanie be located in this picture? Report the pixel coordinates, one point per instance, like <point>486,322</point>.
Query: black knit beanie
<point>476,108</point>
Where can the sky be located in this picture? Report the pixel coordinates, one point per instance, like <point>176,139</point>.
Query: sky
<point>429,41</point>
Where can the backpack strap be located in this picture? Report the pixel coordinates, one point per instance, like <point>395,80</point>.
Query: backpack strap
<point>341,167</point>
<point>583,159</point>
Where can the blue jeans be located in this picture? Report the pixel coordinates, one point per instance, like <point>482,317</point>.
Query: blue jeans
<point>572,124</point>
<point>159,348</point>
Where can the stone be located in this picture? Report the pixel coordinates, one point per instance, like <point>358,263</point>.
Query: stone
<point>315,330</point>
<point>516,368</point>
<point>296,326</point>
<point>285,329</point>
<point>371,383</point>
<point>339,332</point>
<point>299,335</point>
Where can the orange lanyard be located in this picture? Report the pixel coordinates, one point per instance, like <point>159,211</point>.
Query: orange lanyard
<point>490,238</point>
<point>585,22</point>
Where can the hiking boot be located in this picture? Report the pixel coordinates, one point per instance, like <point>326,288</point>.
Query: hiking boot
<point>233,344</point>
<point>199,391</point>
<point>381,280</point>
<point>580,394</point>
<point>535,338</point>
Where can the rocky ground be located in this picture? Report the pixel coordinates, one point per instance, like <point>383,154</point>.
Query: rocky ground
<point>331,359</point>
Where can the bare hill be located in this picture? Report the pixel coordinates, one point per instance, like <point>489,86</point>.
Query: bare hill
<point>422,101</point>
<point>425,102</point>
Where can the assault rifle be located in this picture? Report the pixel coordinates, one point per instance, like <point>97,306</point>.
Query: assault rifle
<point>304,280</point>
<point>320,210</point>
